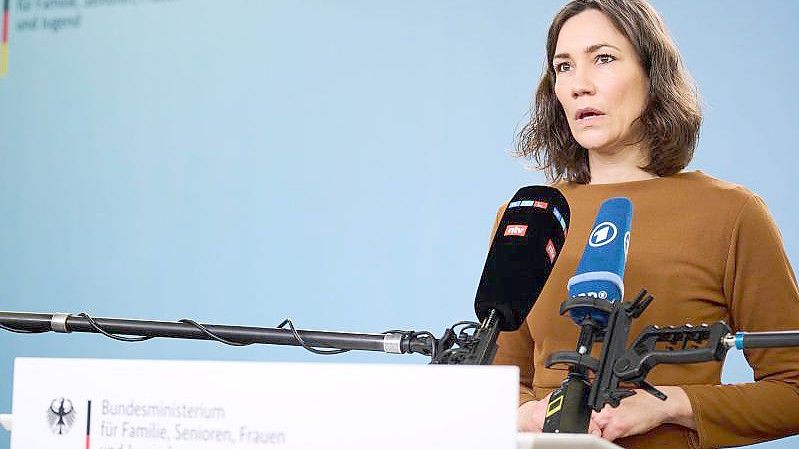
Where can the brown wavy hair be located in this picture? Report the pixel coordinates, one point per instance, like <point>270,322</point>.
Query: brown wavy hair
<point>670,121</point>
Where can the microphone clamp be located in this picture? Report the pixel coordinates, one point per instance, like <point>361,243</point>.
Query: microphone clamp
<point>570,405</point>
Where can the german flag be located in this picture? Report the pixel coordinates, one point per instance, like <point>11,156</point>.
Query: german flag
<point>4,42</point>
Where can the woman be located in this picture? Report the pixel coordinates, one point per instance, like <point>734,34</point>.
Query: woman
<point>616,114</point>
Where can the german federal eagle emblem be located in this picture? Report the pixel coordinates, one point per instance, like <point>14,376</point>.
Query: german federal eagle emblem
<point>61,416</point>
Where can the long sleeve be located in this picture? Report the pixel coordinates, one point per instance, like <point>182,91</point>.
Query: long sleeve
<point>761,290</point>
<point>516,348</point>
<point>707,250</point>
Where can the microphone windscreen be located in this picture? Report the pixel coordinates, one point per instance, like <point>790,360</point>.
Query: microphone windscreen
<point>526,245</point>
<point>600,273</point>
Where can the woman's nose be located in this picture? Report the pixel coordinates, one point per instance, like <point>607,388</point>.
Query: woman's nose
<point>583,84</point>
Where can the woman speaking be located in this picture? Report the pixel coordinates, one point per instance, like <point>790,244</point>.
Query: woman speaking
<point>616,114</point>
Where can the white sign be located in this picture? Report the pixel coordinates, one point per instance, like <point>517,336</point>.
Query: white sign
<point>136,404</point>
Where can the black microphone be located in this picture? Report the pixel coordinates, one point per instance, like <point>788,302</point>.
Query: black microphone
<point>526,246</point>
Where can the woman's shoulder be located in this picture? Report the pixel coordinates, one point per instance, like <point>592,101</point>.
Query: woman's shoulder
<point>710,187</point>
<point>685,191</point>
<point>689,182</point>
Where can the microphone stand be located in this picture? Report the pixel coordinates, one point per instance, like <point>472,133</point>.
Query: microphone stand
<point>568,409</point>
<point>462,348</point>
<point>392,342</point>
<point>570,406</point>
<point>475,349</point>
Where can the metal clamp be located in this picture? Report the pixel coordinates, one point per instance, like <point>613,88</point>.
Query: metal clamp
<point>392,344</point>
<point>58,323</point>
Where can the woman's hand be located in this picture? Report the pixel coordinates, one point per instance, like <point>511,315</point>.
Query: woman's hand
<point>530,418</point>
<point>642,412</point>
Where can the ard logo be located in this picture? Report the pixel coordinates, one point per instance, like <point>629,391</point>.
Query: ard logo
<point>61,416</point>
<point>603,234</point>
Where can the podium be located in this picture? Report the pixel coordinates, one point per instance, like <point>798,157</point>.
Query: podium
<point>561,441</point>
<point>168,404</point>
<point>187,404</point>
<point>523,440</point>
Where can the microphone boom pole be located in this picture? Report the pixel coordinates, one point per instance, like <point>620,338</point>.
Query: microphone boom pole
<point>391,342</point>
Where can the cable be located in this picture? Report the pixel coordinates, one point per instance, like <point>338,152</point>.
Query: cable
<point>304,345</point>
<point>211,334</point>
<point>466,326</point>
<point>96,327</point>
<point>465,323</point>
<point>463,343</point>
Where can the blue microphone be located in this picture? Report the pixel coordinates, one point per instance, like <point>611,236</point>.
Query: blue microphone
<point>600,274</point>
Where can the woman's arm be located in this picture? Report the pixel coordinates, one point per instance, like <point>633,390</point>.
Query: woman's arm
<point>760,288</point>
<point>643,412</point>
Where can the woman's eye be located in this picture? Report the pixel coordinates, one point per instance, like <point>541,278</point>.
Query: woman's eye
<point>562,67</point>
<point>604,59</point>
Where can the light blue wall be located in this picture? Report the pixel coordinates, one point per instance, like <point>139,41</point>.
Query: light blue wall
<point>336,162</point>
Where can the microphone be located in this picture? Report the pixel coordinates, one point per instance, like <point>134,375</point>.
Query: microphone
<point>595,286</point>
<point>601,270</point>
<point>525,247</point>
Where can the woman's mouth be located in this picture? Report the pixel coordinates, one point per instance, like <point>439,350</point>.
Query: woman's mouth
<point>588,115</point>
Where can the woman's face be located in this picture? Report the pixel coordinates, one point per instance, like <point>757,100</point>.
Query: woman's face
<point>599,82</point>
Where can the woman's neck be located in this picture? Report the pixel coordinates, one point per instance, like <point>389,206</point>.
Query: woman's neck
<point>618,166</point>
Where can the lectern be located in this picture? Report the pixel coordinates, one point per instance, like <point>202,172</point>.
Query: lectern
<point>561,441</point>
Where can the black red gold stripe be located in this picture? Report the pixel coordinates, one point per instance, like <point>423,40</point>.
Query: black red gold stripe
<point>4,42</point>
<point>88,421</point>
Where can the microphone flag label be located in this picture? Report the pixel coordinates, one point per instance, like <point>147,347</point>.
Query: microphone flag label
<point>551,251</point>
<point>600,273</point>
<point>540,204</point>
<point>562,222</point>
<point>516,230</point>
